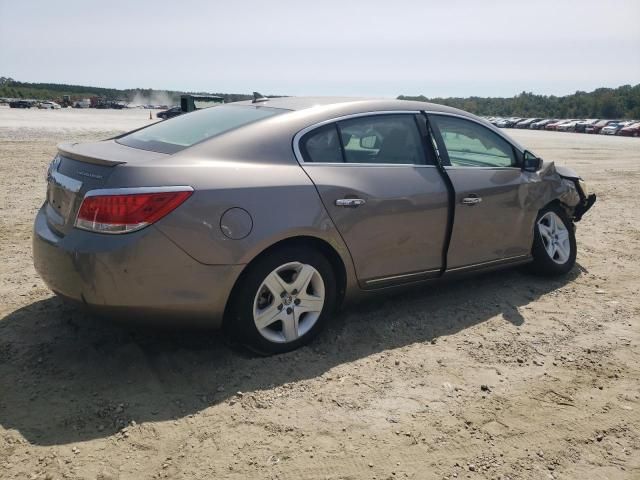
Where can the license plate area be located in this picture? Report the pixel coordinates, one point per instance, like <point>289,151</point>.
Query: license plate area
<point>62,192</point>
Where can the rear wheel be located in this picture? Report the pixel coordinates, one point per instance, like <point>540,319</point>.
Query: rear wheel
<point>554,243</point>
<point>283,300</point>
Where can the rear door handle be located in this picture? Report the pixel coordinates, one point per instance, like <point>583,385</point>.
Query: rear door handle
<point>472,200</point>
<point>349,202</point>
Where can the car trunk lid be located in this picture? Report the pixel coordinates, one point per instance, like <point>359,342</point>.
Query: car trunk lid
<point>79,168</point>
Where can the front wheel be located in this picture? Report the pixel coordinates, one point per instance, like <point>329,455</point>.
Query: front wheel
<point>283,300</point>
<point>554,243</point>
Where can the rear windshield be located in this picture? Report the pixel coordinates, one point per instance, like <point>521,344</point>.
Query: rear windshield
<point>178,133</point>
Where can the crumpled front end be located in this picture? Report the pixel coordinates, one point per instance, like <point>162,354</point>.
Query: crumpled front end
<point>559,183</point>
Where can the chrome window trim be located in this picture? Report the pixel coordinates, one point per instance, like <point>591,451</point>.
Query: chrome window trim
<point>137,190</point>
<point>304,131</point>
<point>346,164</point>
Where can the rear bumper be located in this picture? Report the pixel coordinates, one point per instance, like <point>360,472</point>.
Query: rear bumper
<point>141,275</point>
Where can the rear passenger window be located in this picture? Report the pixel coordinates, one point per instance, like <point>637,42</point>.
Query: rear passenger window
<point>322,145</point>
<point>392,139</point>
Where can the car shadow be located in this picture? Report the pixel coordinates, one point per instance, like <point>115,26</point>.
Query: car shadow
<point>66,376</point>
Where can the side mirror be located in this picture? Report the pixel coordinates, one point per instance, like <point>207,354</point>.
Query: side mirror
<point>531,163</point>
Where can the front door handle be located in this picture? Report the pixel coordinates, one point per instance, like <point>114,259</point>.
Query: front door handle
<point>472,200</point>
<point>349,202</point>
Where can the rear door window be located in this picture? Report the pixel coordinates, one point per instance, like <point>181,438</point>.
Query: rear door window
<point>382,139</point>
<point>322,145</point>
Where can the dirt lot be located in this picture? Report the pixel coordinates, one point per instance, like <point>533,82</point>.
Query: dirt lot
<point>500,376</point>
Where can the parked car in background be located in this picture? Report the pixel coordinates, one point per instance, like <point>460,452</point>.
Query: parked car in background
<point>84,103</point>
<point>632,130</point>
<point>526,123</point>
<point>582,125</point>
<point>539,125</point>
<point>554,125</point>
<point>265,216</point>
<point>567,126</point>
<point>508,122</point>
<point>20,104</point>
<point>613,128</point>
<point>49,105</point>
<point>102,103</point>
<point>596,127</point>
<point>170,113</point>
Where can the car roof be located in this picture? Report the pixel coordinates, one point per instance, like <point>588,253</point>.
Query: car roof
<point>356,104</point>
<point>302,113</point>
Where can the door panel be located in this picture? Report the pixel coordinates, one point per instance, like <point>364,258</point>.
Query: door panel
<point>400,228</point>
<point>491,221</point>
<point>497,227</point>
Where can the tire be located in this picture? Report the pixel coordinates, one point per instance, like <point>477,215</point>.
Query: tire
<point>271,322</point>
<point>556,258</point>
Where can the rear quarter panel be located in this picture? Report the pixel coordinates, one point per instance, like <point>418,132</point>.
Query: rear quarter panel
<point>280,199</point>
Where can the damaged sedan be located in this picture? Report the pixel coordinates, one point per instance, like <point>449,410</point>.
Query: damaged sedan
<point>264,216</point>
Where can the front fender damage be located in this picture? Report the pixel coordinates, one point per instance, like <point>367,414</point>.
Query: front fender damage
<point>561,184</point>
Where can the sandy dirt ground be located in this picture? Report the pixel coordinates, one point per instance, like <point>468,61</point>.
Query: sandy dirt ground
<point>502,376</point>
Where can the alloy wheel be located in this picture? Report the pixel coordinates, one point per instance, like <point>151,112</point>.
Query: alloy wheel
<point>555,237</point>
<point>289,302</point>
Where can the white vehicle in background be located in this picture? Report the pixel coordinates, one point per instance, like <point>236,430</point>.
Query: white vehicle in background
<point>568,126</point>
<point>84,103</point>
<point>614,128</point>
<point>49,105</point>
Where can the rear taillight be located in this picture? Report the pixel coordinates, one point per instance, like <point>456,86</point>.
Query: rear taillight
<point>125,210</point>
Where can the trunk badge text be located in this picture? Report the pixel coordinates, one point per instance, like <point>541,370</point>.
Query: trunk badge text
<point>89,174</point>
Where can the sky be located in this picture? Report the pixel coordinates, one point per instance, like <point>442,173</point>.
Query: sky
<point>325,47</point>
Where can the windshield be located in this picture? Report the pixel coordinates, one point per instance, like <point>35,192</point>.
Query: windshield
<point>180,132</point>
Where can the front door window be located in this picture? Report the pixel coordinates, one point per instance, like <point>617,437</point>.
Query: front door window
<point>469,144</point>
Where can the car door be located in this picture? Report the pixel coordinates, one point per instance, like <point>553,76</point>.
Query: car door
<point>382,191</point>
<point>491,223</point>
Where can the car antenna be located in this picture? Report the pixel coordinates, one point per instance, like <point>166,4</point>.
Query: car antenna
<point>258,97</point>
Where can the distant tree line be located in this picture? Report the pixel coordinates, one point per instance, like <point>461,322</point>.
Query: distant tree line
<point>10,88</point>
<point>621,102</point>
